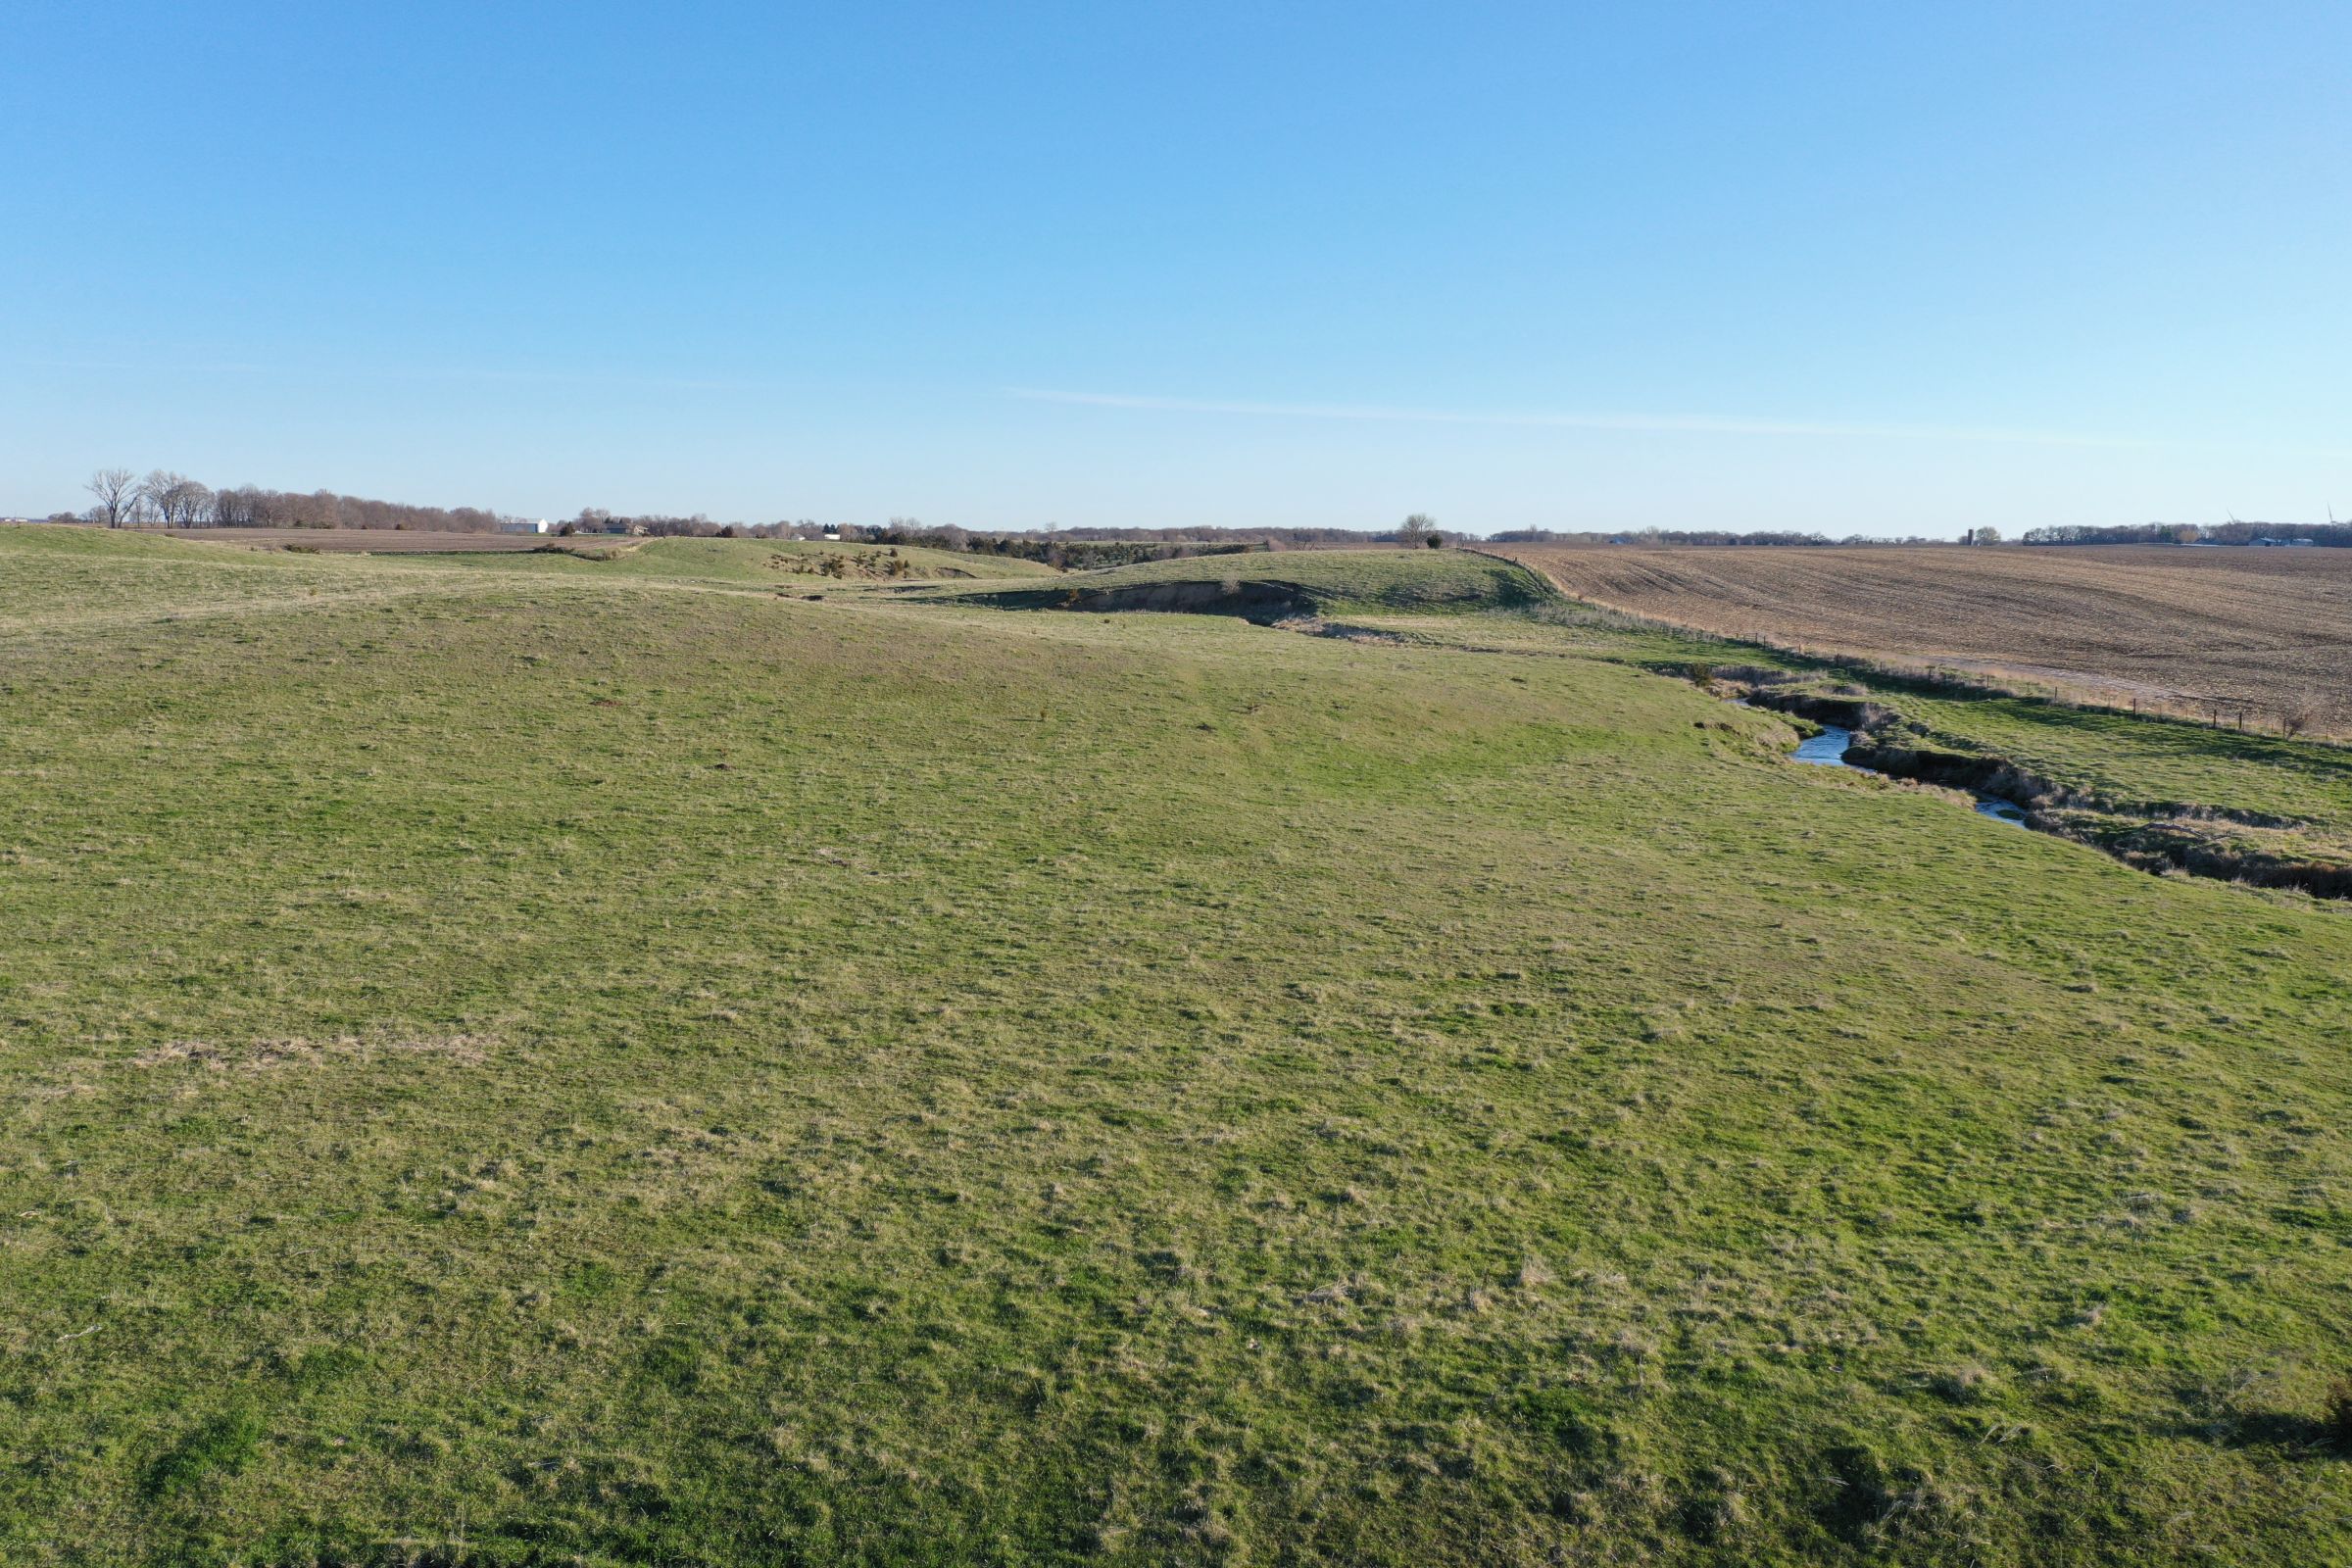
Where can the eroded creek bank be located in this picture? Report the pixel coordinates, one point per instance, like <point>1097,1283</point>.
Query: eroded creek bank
<point>1833,747</point>
<point>2246,847</point>
<point>1259,599</point>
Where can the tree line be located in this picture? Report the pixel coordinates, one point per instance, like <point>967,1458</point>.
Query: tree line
<point>162,498</point>
<point>1682,536</point>
<point>2233,532</point>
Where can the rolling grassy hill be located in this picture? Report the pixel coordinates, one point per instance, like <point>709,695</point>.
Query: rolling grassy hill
<point>543,1064</point>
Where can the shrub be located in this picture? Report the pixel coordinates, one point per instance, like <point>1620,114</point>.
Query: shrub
<point>2302,716</point>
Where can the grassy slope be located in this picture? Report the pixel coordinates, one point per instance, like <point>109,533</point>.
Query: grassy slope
<point>68,580</point>
<point>2125,758</point>
<point>2120,756</point>
<point>583,1069</point>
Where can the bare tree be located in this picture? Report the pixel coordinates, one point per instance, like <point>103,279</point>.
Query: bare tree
<point>233,508</point>
<point>174,499</point>
<point>1417,530</point>
<point>117,494</point>
<point>192,504</point>
<point>154,494</point>
<point>150,494</point>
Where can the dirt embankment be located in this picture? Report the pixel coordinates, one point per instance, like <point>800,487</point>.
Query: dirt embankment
<point>1258,600</point>
<point>1847,712</point>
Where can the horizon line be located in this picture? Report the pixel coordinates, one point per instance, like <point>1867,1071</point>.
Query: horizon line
<point>1687,423</point>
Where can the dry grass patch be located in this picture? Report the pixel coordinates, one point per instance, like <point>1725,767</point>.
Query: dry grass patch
<point>261,1056</point>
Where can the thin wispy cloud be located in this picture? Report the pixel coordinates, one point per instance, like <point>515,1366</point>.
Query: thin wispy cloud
<point>395,373</point>
<point>1697,424</point>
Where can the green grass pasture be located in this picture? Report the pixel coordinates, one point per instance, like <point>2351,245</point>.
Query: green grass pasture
<point>534,1064</point>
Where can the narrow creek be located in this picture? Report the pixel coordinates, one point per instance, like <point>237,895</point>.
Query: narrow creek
<point>1829,748</point>
<point>2158,839</point>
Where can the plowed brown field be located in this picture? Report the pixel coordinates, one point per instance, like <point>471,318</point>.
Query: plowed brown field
<point>2269,627</point>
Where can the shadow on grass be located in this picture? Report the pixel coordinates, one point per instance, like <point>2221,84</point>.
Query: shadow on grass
<point>2279,1432</point>
<point>223,1444</point>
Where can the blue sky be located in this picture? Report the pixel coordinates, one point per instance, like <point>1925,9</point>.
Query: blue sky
<point>1856,267</point>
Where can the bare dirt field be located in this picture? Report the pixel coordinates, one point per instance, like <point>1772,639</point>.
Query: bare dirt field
<point>383,541</point>
<point>2268,627</point>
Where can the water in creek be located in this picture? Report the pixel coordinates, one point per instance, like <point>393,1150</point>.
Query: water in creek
<point>1827,750</point>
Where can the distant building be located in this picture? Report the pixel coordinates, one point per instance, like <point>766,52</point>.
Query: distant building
<point>525,525</point>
